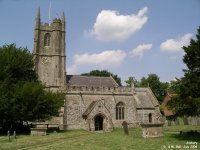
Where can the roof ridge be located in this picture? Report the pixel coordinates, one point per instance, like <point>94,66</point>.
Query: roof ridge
<point>94,81</point>
<point>89,76</point>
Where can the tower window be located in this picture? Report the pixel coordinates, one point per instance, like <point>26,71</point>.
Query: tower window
<point>150,118</point>
<point>47,38</point>
<point>120,111</point>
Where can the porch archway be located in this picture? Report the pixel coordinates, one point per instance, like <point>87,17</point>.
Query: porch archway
<point>98,123</point>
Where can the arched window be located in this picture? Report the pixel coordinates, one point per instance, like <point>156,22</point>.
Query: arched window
<point>47,38</point>
<point>150,118</point>
<point>120,111</point>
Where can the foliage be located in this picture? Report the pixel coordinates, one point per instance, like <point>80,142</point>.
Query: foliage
<point>159,88</point>
<point>103,73</point>
<point>22,97</point>
<point>174,86</point>
<point>44,104</point>
<point>16,64</point>
<point>188,100</point>
<point>161,107</point>
<point>132,80</point>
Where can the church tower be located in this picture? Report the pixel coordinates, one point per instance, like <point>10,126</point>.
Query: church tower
<point>49,52</point>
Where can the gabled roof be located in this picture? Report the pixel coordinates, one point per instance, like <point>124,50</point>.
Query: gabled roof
<point>92,106</point>
<point>89,109</point>
<point>90,81</point>
<point>145,98</point>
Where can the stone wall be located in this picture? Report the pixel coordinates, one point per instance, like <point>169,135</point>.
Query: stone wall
<point>143,116</point>
<point>77,101</point>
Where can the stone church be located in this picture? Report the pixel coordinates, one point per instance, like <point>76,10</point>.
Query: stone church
<point>91,103</point>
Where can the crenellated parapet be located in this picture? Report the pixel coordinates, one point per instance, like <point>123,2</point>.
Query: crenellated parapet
<point>99,90</point>
<point>56,25</point>
<point>45,26</point>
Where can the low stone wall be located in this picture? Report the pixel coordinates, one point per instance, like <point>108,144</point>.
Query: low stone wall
<point>38,131</point>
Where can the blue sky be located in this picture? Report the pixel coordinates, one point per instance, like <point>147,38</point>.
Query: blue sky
<point>128,38</point>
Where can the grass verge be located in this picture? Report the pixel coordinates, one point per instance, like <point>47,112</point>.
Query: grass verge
<point>116,140</point>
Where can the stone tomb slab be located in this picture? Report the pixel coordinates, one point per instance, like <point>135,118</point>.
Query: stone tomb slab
<point>38,131</point>
<point>152,130</point>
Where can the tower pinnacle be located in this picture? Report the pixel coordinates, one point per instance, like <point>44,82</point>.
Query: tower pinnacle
<point>38,13</point>
<point>37,24</point>
<point>63,16</point>
<point>63,21</point>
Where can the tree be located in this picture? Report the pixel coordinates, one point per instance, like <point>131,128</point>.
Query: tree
<point>103,73</point>
<point>22,96</point>
<point>187,101</point>
<point>174,86</point>
<point>132,80</point>
<point>158,88</point>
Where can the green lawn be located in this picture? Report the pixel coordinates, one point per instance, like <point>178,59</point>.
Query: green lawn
<point>116,140</point>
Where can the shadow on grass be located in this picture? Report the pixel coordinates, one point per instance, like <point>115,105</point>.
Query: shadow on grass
<point>187,136</point>
<point>72,130</point>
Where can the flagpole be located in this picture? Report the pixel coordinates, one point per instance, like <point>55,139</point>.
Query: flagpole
<point>50,13</point>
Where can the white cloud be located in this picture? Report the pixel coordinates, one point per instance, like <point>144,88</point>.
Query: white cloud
<point>111,58</point>
<point>175,45</point>
<point>111,26</point>
<point>72,69</point>
<point>139,50</point>
<point>105,59</point>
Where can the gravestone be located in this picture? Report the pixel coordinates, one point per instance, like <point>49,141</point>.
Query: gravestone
<point>185,120</point>
<point>8,133</point>
<point>177,122</point>
<point>14,134</point>
<point>125,127</point>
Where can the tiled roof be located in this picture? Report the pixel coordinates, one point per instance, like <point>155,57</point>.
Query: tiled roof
<point>90,81</point>
<point>145,98</point>
<point>167,111</point>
